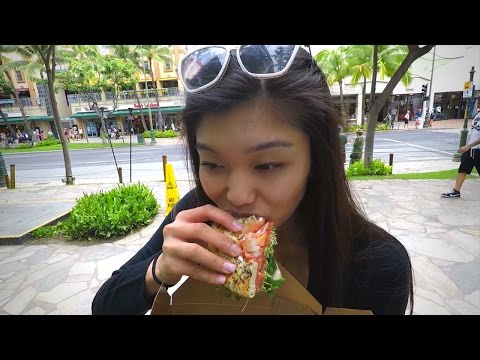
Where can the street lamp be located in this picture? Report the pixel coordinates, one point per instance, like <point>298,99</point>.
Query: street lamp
<point>152,133</point>
<point>464,131</point>
<point>130,130</point>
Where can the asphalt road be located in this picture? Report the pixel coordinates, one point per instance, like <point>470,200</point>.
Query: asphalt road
<point>92,165</point>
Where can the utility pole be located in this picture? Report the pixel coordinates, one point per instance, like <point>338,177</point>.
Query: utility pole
<point>464,131</point>
<point>430,102</point>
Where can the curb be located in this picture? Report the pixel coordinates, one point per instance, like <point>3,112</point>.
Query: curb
<point>20,239</point>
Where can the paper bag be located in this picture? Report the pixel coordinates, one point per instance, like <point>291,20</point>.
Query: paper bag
<point>194,297</point>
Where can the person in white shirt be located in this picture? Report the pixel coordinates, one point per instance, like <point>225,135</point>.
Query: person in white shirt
<point>470,158</point>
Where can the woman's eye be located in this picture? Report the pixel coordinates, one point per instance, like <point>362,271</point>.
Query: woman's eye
<point>268,166</point>
<point>209,165</point>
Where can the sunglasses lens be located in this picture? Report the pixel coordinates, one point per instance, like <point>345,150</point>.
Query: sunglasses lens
<point>202,67</point>
<point>265,59</point>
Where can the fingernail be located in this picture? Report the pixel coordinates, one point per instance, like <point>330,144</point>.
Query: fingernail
<point>220,279</point>
<point>236,250</point>
<point>237,226</point>
<point>229,266</point>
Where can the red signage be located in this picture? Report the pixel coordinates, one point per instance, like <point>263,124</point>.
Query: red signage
<point>145,105</point>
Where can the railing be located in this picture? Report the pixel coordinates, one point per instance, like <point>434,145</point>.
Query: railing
<point>125,97</point>
<point>30,105</point>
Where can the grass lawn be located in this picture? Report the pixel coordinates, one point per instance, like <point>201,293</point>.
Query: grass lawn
<point>71,146</point>
<point>439,175</point>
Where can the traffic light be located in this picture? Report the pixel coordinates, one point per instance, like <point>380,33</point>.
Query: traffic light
<point>424,89</point>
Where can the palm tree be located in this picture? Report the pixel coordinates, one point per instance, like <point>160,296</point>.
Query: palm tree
<point>6,89</point>
<point>336,68</point>
<point>361,62</point>
<point>5,66</point>
<point>414,52</point>
<point>126,53</point>
<point>161,54</point>
<point>47,53</point>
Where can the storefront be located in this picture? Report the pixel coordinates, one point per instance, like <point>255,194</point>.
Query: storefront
<point>91,124</point>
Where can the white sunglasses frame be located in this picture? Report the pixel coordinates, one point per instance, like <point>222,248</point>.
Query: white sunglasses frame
<point>228,49</point>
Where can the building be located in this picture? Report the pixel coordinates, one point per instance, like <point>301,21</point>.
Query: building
<point>446,81</point>
<point>76,113</point>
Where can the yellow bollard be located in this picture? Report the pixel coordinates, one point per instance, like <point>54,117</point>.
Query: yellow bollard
<point>171,189</point>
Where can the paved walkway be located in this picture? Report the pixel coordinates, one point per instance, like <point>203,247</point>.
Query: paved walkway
<point>441,235</point>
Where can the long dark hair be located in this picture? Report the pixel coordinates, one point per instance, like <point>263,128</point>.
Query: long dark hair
<point>304,93</point>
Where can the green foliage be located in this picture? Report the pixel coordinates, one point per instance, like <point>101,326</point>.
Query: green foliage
<point>377,167</point>
<point>161,134</point>
<point>50,140</point>
<point>355,127</point>
<point>106,214</point>
<point>23,146</point>
<point>48,231</point>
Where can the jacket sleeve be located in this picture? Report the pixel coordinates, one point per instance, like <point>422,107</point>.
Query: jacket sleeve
<point>124,291</point>
<point>382,278</point>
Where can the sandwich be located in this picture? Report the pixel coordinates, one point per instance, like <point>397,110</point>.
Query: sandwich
<point>256,269</point>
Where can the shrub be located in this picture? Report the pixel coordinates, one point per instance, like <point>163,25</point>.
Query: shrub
<point>377,167</point>
<point>107,214</point>
<point>50,140</point>
<point>160,134</point>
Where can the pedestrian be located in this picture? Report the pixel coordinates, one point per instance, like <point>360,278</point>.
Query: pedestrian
<point>432,117</point>
<point>418,117</point>
<point>357,149</point>
<point>263,139</point>
<point>470,158</point>
<point>406,118</point>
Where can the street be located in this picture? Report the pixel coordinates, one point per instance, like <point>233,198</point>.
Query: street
<point>94,165</point>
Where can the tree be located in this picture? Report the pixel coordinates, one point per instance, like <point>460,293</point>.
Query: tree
<point>6,89</point>
<point>336,68</point>
<point>360,58</point>
<point>127,53</point>
<point>47,54</point>
<point>162,54</point>
<point>5,66</point>
<point>90,73</point>
<point>414,52</point>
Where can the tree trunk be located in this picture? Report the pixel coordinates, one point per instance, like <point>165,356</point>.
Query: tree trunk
<point>20,106</point>
<point>414,52</point>
<point>342,105</point>
<point>69,180</point>
<point>159,113</point>
<point>4,117</point>
<point>371,120</point>
<point>141,112</point>
<point>364,92</point>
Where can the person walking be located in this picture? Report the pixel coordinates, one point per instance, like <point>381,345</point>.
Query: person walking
<point>406,118</point>
<point>470,158</point>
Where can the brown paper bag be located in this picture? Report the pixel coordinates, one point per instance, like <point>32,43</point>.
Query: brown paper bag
<point>194,297</point>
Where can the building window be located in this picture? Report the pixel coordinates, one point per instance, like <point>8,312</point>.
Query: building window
<point>19,76</point>
<point>167,66</point>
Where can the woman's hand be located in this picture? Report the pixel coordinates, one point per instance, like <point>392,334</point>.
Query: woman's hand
<point>185,246</point>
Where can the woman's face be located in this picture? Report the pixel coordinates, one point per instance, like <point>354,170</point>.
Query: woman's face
<point>253,162</point>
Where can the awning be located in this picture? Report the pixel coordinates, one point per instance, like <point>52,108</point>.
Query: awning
<point>29,118</point>
<point>125,112</point>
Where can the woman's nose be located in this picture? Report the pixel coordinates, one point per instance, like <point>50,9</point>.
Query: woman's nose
<point>240,190</point>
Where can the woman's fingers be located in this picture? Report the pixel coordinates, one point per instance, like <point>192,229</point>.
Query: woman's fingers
<point>196,254</point>
<point>194,270</point>
<point>211,213</point>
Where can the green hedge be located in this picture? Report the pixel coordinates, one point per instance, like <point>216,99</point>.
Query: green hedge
<point>106,214</point>
<point>160,134</point>
<point>377,167</point>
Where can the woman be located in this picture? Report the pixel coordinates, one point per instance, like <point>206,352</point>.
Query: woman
<point>262,135</point>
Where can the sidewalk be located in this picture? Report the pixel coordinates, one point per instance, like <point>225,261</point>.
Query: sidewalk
<point>441,235</point>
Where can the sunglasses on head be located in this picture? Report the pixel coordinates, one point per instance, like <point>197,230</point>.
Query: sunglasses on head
<point>205,66</point>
